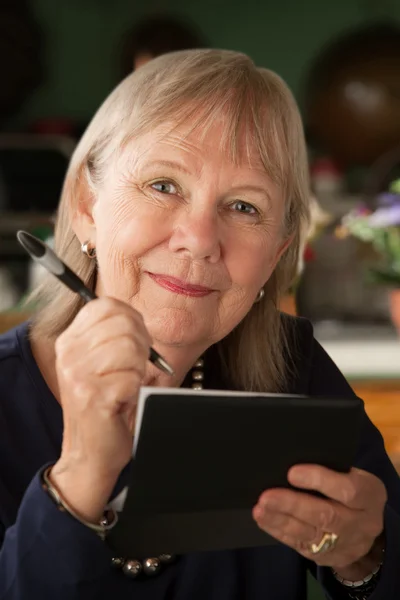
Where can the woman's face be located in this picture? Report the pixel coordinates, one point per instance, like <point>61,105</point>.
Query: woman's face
<point>186,236</point>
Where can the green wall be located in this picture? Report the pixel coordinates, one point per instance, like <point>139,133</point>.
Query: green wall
<point>83,37</point>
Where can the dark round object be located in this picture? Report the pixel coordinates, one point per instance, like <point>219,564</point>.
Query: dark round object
<point>158,35</point>
<point>117,562</point>
<point>151,566</point>
<point>167,559</point>
<point>352,103</point>
<point>132,568</point>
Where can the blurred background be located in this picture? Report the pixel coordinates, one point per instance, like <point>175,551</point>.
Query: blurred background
<point>60,59</point>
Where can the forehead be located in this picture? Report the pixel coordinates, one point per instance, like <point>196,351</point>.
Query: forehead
<point>197,141</point>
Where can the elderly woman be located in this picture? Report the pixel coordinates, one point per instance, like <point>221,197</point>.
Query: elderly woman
<point>182,208</point>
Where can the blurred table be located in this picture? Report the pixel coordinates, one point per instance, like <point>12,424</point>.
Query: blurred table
<point>362,352</point>
<point>382,404</point>
<point>369,357</point>
<point>11,319</point>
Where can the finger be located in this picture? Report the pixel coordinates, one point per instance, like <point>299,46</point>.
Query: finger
<point>285,527</point>
<point>100,310</point>
<point>297,535</point>
<point>325,515</point>
<point>117,327</point>
<point>122,354</point>
<point>354,489</point>
<point>112,344</point>
<point>355,526</point>
<point>331,558</point>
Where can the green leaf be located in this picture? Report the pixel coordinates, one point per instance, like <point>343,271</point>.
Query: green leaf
<point>384,277</point>
<point>395,186</point>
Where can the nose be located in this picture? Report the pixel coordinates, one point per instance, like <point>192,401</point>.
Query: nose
<point>197,234</point>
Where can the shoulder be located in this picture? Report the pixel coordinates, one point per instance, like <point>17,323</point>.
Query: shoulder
<point>298,339</point>
<point>298,331</point>
<point>9,344</point>
<point>311,369</point>
<point>12,360</point>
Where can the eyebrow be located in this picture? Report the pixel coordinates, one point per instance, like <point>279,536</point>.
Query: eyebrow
<point>170,164</point>
<point>252,188</point>
<point>258,189</point>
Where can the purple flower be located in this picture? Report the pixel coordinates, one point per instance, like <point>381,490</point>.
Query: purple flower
<point>388,199</point>
<point>385,217</point>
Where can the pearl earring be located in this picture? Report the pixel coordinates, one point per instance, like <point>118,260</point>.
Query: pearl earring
<point>260,295</point>
<point>89,249</point>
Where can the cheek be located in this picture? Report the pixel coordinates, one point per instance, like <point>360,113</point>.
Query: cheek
<point>251,259</point>
<point>128,226</point>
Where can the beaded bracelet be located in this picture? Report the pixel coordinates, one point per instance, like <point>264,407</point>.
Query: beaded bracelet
<point>362,589</point>
<point>107,522</point>
<point>130,567</point>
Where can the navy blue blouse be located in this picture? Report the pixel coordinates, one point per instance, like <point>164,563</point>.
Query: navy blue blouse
<point>46,554</point>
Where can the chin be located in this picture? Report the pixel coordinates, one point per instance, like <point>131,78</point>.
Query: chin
<point>177,328</point>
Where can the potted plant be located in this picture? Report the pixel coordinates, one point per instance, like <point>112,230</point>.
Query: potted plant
<point>380,228</point>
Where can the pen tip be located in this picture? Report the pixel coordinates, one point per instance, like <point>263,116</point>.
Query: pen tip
<point>164,366</point>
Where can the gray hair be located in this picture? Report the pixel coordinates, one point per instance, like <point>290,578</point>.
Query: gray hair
<point>173,88</point>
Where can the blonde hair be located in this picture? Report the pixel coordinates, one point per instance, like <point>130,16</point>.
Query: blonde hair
<point>196,86</point>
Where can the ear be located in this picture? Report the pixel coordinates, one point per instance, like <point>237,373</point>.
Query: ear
<point>281,248</point>
<point>82,212</point>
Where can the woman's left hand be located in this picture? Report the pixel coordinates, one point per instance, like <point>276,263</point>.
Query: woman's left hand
<point>353,510</point>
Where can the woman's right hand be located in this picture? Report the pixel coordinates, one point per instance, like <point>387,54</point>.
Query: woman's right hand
<point>100,362</point>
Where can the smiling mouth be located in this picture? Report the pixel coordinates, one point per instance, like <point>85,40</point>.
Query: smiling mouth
<point>178,286</point>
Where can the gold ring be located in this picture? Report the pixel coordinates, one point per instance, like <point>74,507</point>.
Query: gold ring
<point>328,542</point>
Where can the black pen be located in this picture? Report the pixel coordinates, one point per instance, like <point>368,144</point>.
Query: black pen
<point>45,256</point>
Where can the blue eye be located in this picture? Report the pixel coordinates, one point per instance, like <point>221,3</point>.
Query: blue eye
<point>164,187</point>
<point>244,208</point>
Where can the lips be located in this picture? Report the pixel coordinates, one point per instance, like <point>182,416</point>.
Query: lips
<point>180,287</point>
